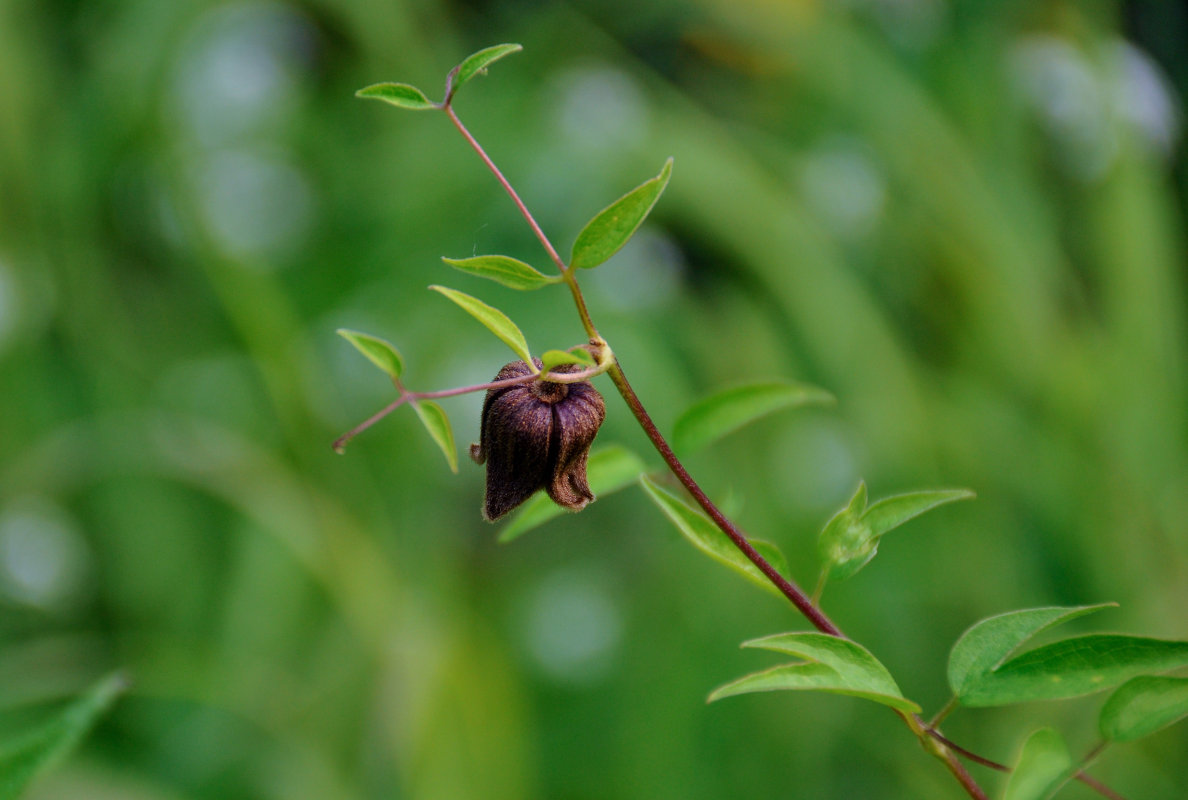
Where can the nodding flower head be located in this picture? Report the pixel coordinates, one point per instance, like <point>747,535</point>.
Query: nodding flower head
<point>537,435</point>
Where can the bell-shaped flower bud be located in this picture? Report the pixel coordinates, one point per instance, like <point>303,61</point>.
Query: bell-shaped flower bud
<point>537,435</point>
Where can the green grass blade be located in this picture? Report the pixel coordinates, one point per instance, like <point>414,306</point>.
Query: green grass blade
<point>23,760</point>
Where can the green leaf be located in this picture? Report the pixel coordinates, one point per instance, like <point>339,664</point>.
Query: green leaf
<point>846,544</point>
<point>378,351</point>
<point>989,643</point>
<point>400,95</point>
<point>1142,706</point>
<point>555,358</point>
<point>1043,766</point>
<point>496,321</point>
<point>608,470</point>
<point>503,269</point>
<point>23,759</point>
<point>613,226</point>
<point>478,62</point>
<point>891,512</point>
<point>434,418</point>
<point>727,411</point>
<point>851,537</point>
<point>831,664</point>
<point>701,531</point>
<point>1074,667</point>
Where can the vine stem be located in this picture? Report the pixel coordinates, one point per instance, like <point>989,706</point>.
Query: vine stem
<point>934,742</point>
<point>790,590</point>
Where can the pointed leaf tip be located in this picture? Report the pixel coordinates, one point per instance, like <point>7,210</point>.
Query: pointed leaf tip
<point>434,418</point>
<point>378,351</point>
<point>610,229</point>
<point>23,760</point>
<point>703,534</point>
<point>400,95</point>
<point>508,271</point>
<point>831,664</point>
<point>476,63</point>
<point>495,321</point>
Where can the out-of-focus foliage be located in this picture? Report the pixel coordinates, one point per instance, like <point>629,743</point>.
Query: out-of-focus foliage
<point>963,219</point>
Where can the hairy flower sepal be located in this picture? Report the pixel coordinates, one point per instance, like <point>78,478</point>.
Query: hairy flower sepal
<point>537,435</point>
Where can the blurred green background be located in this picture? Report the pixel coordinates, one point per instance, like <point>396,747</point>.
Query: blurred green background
<point>965,219</point>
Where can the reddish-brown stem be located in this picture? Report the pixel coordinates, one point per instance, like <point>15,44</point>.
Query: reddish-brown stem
<point>789,589</point>
<point>1081,775</point>
<point>507,187</point>
<point>407,396</point>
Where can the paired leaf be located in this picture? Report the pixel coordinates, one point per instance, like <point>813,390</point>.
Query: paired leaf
<point>496,321</point>
<point>851,537</point>
<point>989,643</point>
<point>699,529</point>
<point>831,664</point>
<point>610,229</point>
<point>21,761</point>
<point>727,411</point>
<point>510,272</point>
<point>1044,764</point>
<point>478,62</point>
<point>434,418</point>
<point>607,470</point>
<point>400,95</point>
<point>1073,667</point>
<point>1142,706</point>
<point>378,351</point>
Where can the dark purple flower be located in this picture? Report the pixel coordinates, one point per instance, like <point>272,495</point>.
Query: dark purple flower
<point>536,436</point>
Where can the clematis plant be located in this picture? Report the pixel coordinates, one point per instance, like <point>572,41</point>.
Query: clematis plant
<point>539,420</point>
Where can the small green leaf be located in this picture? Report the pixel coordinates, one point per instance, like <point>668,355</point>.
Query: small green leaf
<point>434,418</point>
<point>555,358</point>
<point>607,470</point>
<point>496,321</point>
<point>891,512</point>
<point>400,95</point>
<point>613,226</point>
<point>701,531</point>
<point>1142,706</point>
<point>989,643</point>
<point>23,759</point>
<point>727,411</point>
<point>832,664</point>
<point>478,62</point>
<point>846,543</point>
<point>503,269</point>
<point>851,537</point>
<point>378,351</point>
<point>1043,766</point>
<point>1074,667</point>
